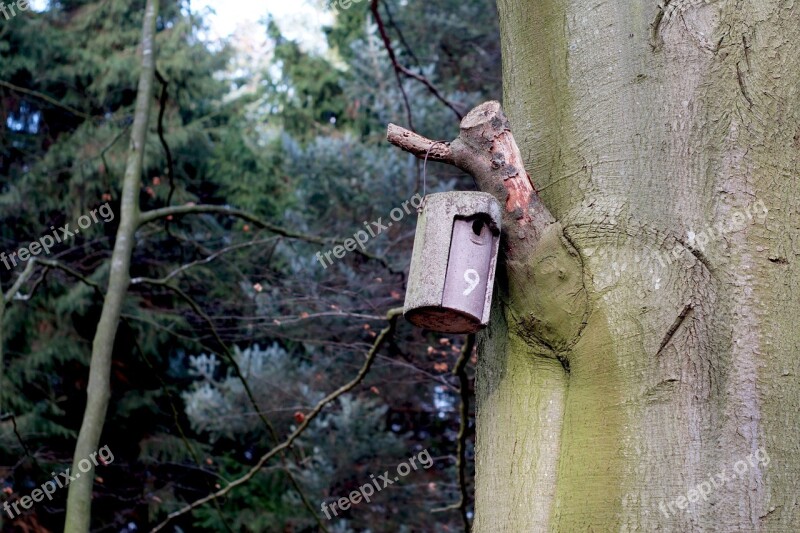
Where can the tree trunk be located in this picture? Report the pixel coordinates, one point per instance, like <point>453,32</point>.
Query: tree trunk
<point>79,500</point>
<point>643,376</point>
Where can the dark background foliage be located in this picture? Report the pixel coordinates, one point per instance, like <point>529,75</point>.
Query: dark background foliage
<point>297,140</point>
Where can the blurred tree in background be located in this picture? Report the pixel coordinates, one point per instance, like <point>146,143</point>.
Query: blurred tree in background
<point>297,140</point>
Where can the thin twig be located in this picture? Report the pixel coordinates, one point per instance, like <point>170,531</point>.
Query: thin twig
<point>398,68</point>
<point>248,392</point>
<point>49,263</point>
<point>388,45</point>
<point>176,418</point>
<point>400,35</point>
<point>460,370</point>
<point>193,304</point>
<point>26,274</point>
<point>5,299</point>
<point>99,290</point>
<point>179,210</point>
<point>204,261</point>
<point>392,317</point>
<point>162,102</point>
<point>10,416</point>
<point>106,167</point>
<point>48,99</point>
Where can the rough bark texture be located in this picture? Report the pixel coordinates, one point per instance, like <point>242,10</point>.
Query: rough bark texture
<point>79,500</point>
<point>655,353</point>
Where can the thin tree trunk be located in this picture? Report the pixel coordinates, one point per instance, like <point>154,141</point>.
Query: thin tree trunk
<point>665,141</point>
<point>79,500</point>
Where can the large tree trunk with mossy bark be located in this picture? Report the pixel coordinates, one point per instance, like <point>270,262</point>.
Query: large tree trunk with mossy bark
<point>641,369</point>
<point>660,390</point>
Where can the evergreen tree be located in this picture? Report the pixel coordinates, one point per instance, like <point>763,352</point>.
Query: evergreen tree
<point>302,149</point>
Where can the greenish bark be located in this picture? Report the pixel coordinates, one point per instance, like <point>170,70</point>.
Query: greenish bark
<point>665,142</point>
<point>79,500</point>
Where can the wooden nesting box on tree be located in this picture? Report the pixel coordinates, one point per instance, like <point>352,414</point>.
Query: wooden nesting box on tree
<point>451,280</point>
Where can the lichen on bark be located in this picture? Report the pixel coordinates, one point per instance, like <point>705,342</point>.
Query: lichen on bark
<point>687,361</point>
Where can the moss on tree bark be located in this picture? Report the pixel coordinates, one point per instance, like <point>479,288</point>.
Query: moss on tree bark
<point>655,136</point>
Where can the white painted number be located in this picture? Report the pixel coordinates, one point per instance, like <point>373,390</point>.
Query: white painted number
<point>472,277</point>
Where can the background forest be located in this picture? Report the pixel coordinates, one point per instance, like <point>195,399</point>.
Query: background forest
<point>295,138</point>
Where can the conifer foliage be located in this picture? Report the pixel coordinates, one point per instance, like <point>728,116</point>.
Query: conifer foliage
<point>231,330</point>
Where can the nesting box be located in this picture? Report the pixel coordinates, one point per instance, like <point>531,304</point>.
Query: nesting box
<point>451,280</point>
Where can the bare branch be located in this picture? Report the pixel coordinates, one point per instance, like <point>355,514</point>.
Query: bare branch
<point>179,210</point>
<point>176,419</point>
<point>392,317</point>
<point>48,99</point>
<point>5,299</point>
<point>401,69</point>
<point>486,148</point>
<point>205,261</point>
<point>162,109</point>
<point>248,391</point>
<point>390,51</point>
<point>460,370</point>
<point>49,263</point>
<point>420,146</point>
<point>23,277</point>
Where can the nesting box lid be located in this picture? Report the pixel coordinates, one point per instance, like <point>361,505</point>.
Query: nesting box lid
<point>429,263</point>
